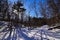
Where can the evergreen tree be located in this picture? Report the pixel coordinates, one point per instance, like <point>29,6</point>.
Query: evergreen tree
<point>19,7</point>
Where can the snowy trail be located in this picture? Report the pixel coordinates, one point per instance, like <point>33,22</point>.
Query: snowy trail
<point>49,34</point>
<point>25,34</point>
<point>55,35</point>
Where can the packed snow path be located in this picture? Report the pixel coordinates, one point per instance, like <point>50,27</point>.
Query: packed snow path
<point>28,34</point>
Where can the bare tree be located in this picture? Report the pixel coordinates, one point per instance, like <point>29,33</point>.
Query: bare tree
<point>3,7</point>
<point>55,9</point>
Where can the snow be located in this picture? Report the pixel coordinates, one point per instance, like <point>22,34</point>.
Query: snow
<point>7,35</point>
<point>39,33</point>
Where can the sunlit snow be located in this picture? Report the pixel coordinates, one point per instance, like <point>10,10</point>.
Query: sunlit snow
<point>38,33</point>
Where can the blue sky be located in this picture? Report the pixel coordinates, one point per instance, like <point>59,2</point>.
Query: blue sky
<point>27,6</point>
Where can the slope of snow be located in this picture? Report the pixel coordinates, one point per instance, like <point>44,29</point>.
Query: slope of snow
<point>40,33</point>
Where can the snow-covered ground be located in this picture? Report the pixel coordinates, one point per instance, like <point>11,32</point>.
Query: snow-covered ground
<point>39,33</point>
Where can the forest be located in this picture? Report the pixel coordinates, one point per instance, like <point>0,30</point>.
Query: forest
<point>50,12</point>
<point>17,14</point>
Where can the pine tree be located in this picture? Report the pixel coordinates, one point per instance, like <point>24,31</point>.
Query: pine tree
<point>19,7</point>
